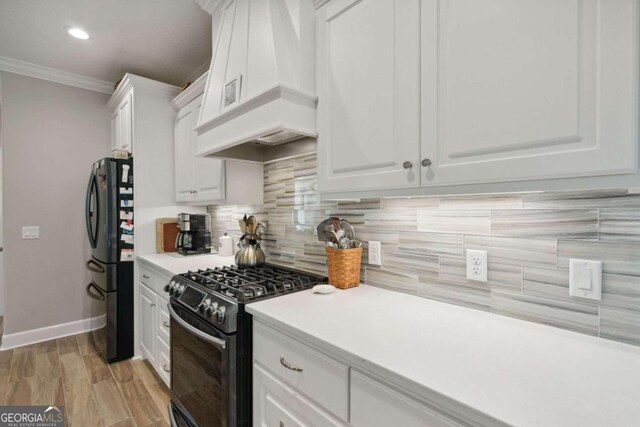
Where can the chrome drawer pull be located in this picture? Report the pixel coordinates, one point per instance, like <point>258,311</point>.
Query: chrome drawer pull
<point>144,276</point>
<point>166,324</point>
<point>164,368</point>
<point>286,365</point>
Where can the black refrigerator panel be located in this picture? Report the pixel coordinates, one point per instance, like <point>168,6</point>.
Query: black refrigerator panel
<point>109,203</point>
<point>111,292</point>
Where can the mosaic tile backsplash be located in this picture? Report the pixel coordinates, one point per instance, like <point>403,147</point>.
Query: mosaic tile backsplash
<point>529,239</point>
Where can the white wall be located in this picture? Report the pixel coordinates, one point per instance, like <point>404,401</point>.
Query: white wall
<point>52,134</point>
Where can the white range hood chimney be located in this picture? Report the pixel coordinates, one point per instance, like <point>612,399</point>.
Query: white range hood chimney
<point>260,93</point>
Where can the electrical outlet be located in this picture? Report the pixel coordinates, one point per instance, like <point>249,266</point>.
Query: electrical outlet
<point>477,265</point>
<point>31,232</point>
<point>375,256</point>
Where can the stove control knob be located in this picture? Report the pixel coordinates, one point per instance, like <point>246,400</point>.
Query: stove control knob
<point>178,290</point>
<point>212,308</point>
<point>220,314</point>
<point>168,286</point>
<point>203,305</point>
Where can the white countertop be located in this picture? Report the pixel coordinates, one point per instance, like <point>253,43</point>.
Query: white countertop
<point>521,373</point>
<point>174,264</point>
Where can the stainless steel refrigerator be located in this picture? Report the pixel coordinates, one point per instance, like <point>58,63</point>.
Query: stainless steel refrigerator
<point>109,218</point>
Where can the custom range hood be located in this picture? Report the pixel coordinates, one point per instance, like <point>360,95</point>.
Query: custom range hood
<point>260,93</point>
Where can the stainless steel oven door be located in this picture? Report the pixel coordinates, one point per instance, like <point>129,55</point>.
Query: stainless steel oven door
<point>202,369</point>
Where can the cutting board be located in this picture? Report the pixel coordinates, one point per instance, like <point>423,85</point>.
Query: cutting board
<point>166,233</point>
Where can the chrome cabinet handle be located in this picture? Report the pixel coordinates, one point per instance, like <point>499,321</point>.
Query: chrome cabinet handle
<point>426,162</point>
<point>407,165</point>
<point>164,368</point>
<point>144,276</point>
<point>152,304</point>
<point>286,365</point>
<point>166,324</point>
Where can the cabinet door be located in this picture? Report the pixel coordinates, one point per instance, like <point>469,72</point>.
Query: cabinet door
<point>209,173</point>
<point>376,405</point>
<point>276,405</point>
<point>369,94</point>
<point>198,179</point>
<point>185,122</point>
<point>164,362</point>
<point>148,323</point>
<point>125,123</point>
<point>115,129</point>
<point>528,89</point>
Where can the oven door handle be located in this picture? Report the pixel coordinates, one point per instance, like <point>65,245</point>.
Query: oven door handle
<point>213,340</point>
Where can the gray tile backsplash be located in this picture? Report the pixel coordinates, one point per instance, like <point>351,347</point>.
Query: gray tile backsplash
<point>529,239</point>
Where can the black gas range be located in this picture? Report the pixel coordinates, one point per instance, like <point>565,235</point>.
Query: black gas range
<point>211,339</point>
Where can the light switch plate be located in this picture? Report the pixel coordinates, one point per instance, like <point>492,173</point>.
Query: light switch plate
<point>585,278</point>
<point>31,232</point>
<point>375,256</point>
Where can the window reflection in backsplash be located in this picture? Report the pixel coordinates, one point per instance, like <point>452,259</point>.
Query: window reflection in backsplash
<point>529,239</point>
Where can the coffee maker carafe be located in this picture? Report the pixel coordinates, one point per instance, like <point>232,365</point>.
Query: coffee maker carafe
<point>195,234</point>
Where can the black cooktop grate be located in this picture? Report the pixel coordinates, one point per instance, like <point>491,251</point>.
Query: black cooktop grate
<point>250,284</point>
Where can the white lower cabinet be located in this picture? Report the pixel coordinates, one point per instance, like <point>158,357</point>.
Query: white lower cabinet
<point>374,404</point>
<point>154,320</point>
<point>147,309</point>
<point>323,379</point>
<point>296,385</point>
<point>279,405</point>
<point>164,361</point>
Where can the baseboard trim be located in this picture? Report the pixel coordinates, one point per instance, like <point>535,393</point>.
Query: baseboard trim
<point>47,333</point>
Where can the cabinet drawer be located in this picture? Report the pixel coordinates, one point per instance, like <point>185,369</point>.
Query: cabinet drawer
<point>322,379</point>
<point>276,404</point>
<point>147,277</point>
<point>163,322</point>
<point>375,405</point>
<point>164,362</point>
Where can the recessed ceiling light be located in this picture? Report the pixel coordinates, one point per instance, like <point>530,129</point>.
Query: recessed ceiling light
<point>78,33</point>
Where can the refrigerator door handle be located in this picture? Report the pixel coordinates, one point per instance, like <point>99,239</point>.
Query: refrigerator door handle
<point>94,266</point>
<point>99,296</point>
<point>92,191</point>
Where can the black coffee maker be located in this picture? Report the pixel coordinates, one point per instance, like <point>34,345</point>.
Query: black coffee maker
<point>195,234</point>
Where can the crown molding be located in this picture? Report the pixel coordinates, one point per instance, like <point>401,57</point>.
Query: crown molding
<point>51,74</point>
<point>209,6</point>
<point>130,81</point>
<point>189,94</point>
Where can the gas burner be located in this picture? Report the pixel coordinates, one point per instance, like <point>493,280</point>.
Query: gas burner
<point>251,284</point>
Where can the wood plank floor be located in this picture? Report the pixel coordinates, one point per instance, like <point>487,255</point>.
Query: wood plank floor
<point>68,371</point>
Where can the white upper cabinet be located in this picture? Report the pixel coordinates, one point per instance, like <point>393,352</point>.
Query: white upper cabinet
<point>207,180</point>
<point>197,178</point>
<point>369,99</point>
<point>477,95</point>
<point>122,124</point>
<point>528,89</point>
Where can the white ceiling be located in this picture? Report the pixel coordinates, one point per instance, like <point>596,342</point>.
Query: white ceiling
<point>166,40</point>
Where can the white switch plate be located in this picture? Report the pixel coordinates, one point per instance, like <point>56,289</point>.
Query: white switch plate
<point>585,278</point>
<point>31,232</point>
<point>477,265</point>
<point>375,256</point>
